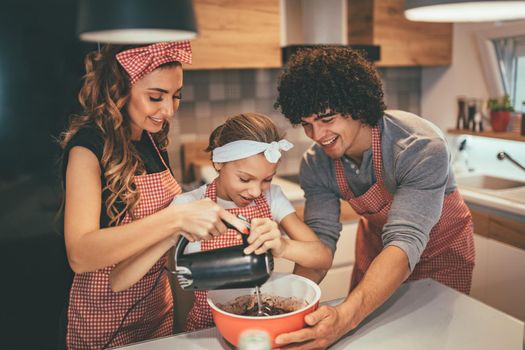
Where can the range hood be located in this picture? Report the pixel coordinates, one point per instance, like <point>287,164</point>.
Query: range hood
<point>311,23</point>
<point>370,52</point>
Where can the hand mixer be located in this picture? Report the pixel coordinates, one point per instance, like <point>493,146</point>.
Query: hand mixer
<point>221,268</point>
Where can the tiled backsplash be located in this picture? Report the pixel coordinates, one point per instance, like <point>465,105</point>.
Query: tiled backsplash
<point>211,96</point>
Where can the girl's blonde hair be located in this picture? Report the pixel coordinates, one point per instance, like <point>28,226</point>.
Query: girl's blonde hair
<point>103,97</point>
<point>246,126</point>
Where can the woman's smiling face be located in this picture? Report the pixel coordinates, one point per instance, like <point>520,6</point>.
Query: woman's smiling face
<point>154,100</point>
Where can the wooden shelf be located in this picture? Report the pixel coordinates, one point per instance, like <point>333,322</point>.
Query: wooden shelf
<point>513,136</point>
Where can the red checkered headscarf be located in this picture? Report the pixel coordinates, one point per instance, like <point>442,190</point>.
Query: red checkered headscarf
<point>142,60</point>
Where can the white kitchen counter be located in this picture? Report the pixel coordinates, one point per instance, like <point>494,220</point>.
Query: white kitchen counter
<point>501,205</point>
<point>420,315</point>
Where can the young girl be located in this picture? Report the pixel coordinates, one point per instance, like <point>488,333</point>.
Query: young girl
<point>245,152</point>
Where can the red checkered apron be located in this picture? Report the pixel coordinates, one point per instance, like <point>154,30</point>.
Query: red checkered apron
<point>95,312</point>
<point>449,255</point>
<point>200,315</point>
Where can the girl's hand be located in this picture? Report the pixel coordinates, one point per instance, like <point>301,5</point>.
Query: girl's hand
<point>202,220</point>
<point>265,235</point>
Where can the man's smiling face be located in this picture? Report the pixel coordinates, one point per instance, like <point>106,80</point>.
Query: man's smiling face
<point>335,133</point>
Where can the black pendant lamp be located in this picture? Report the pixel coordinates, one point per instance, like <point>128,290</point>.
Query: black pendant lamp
<point>136,21</point>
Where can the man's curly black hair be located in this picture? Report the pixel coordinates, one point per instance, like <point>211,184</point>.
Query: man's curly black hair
<point>338,79</point>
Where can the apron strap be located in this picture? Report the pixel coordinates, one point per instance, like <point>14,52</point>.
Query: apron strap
<point>376,153</point>
<point>376,161</point>
<point>158,152</point>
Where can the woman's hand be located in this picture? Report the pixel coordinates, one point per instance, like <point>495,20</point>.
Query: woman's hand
<point>265,235</point>
<point>202,220</point>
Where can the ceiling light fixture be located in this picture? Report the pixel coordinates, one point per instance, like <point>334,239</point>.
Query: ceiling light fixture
<point>464,10</point>
<point>135,21</point>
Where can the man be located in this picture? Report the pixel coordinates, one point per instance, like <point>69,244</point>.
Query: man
<point>392,167</point>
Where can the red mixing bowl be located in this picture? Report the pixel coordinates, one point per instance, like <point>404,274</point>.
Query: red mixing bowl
<point>282,285</point>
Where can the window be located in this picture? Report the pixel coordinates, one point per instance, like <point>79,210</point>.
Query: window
<point>502,52</point>
<point>520,77</point>
<point>510,53</point>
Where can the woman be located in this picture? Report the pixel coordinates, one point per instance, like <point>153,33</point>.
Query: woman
<point>118,187</point>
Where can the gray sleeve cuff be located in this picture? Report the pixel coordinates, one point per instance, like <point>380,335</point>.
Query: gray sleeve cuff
<point>330,242</point>
<point>410,250</point>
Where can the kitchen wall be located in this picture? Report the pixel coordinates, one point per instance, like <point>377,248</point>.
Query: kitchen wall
<point>440,87</point>
<point>210,96</point>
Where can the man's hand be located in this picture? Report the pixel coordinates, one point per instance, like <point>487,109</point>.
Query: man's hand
<point>386,273</point>
<point>327,325</point>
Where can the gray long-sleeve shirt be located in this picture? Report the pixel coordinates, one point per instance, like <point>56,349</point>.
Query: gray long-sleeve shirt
<point>416,172</point>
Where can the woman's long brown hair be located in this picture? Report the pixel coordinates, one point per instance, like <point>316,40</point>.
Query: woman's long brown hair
<point>104,97</point>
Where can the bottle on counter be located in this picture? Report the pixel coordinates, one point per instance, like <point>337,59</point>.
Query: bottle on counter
<point>515,122</point>
<point>478,117</point>
<point>471,113</point>
<point>462,118</point>
<point>254,339</point>
<point>523,118</point>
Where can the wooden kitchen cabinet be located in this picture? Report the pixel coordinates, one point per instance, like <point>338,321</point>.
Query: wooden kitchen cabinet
<point>498,228</point>
<point>403,42</point>
<point>236,34</point>
<point>499,275</point>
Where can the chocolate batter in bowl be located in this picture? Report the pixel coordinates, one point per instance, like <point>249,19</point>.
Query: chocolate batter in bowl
<point>288,297</point>
<point>246,305</point>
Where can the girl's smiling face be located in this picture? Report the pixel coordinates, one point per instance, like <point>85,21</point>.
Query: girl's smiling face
<point>241,181</point>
